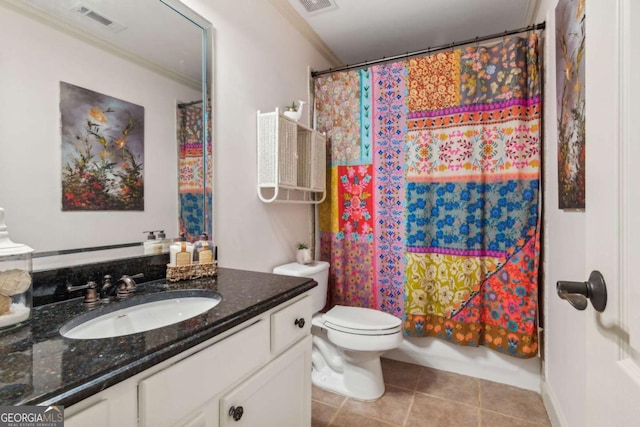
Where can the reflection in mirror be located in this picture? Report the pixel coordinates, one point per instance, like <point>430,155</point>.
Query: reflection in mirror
<point>151,53</point>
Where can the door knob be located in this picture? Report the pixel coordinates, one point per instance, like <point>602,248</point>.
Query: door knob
<point>236,412</point>
<point>578,293</point>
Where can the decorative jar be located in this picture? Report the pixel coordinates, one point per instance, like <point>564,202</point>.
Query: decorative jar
<point>15,280</point>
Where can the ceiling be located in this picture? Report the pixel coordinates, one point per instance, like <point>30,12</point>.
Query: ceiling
<point>365,30</point>
<point>146,29</point>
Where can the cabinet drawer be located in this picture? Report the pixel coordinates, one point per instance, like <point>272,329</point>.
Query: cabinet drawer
<point>172,394</point>
<point>290,324</point>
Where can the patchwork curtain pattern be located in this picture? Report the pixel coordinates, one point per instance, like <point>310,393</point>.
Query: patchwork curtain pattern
<point>432,211</point>
<point>195,202</point>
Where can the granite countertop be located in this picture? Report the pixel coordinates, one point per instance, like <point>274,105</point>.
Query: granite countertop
<point>39,366</point>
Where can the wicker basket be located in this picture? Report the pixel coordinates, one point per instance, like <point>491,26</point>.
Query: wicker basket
<point>193,271</point>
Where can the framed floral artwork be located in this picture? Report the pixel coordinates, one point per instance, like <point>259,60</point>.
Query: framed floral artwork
<point>570,89</point>
<point>102,151</point>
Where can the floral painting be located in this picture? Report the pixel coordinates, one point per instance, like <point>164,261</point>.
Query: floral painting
<point>102,151</point>
<point>570,84</point>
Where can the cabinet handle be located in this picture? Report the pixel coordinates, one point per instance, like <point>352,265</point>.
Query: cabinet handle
<point>299,322</point>
<point>236,412</point>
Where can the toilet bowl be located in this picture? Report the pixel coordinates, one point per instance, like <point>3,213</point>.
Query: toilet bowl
<point>347,341</point>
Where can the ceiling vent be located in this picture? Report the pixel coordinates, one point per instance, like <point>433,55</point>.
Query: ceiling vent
<point>314,7</point>
<point>99,18</point>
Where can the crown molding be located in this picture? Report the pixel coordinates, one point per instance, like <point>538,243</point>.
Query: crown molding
<point>294,18</point>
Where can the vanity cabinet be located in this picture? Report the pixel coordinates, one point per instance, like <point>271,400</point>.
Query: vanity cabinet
<point>291,161</point>
<point>258,373</point>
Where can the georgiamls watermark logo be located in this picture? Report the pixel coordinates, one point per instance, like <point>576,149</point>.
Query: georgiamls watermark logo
<point>32,416</point>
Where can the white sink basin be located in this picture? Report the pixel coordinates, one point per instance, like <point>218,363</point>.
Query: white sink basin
<point>154,312</point>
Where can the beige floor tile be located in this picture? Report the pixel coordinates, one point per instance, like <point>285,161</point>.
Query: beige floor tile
<point>430,411</point>
<point>321,414</point>
<point>401,374</point>
<point>327,397</point>
<point>449,385</point>
<point>513,401</point>
<point>347,419</point>
<point>392,407</point>
<point>493,419</point>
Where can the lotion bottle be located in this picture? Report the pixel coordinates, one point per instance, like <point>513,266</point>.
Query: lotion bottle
<point>180,252</point>
<point>203,250</point>
<point>164,242</point>
<point>152,245</point>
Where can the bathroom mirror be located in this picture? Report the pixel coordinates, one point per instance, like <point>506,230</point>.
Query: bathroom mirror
<point>151,53</point>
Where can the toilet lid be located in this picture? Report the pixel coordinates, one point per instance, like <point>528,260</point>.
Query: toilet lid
<point>361,320</point>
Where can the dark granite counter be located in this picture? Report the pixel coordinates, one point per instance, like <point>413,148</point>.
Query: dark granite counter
<point>39,366</point>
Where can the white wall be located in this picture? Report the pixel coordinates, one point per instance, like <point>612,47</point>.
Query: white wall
<point>563,259</point>
<point>260,62</point>
<point>34,58</point>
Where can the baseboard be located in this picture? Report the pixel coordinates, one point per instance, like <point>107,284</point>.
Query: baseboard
<point>553,407</point>
<point>479,362</point>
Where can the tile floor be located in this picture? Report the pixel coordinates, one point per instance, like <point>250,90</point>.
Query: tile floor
<point>416,396</point>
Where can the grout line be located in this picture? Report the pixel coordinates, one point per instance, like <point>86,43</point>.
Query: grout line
<point>326,404</point>
<point>367,416</point>
<point>514,418</point>
<point>400,387</point>
<point>337,412</point>
<point>406,417</point>
<point>449,400</point>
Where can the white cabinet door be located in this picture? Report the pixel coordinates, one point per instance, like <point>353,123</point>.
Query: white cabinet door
<point>178,393</point>
<point>114,406</point>
<point>277,396</point>
<point>95,416</point>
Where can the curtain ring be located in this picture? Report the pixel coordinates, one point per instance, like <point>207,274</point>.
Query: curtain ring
<point>504,37</point>
<point>477,42</point>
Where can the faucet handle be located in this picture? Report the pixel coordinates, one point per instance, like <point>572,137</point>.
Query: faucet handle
<point>128,285</point>
<point>91,297</point>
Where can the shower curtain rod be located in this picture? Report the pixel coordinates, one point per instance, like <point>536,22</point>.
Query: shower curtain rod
<point>187,104</point>
<point>540,26</point>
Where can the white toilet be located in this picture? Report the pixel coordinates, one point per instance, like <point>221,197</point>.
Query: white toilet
<point>347,341</point>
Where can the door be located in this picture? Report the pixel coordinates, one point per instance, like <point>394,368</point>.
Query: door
<point>613,210</point>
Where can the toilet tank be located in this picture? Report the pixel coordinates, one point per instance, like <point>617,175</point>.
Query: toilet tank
<point>318,271</point>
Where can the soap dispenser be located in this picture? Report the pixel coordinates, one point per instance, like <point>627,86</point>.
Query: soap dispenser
<point>15,280</point>
<point>152,245</point>
<point>180,252</point>
<point>203,250</point>
<point>164,242</point>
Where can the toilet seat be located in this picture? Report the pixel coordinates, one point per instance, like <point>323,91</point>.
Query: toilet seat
<point>361,321</point>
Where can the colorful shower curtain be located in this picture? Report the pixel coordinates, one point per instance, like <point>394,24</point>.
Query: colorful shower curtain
<point>433,209</point>
<point>196,199</point>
